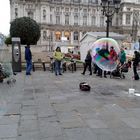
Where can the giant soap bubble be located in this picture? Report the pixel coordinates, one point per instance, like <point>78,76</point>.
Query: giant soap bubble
<point>102,56</point>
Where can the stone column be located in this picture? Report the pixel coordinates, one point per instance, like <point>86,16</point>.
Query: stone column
<point>124,19</point>
<point>62,33</point>
<point>71,39</point>
<point>80,36</point>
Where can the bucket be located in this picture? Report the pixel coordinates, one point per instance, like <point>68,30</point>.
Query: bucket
<point>131,91</point>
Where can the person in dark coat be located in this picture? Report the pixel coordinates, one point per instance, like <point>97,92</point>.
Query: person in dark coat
<point>136,61</point>
<point>28,58</point>
<point>88,61</point>
<point>104,53</point>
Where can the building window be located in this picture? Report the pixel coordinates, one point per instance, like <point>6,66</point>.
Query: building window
<point>93,11</point>
<point>51,9</point>
<point>16,12</point>
<point>93,20</point>
<point>44,14</point>
<point>58,36</point>
<point>128,18</point>
<point>67,19</point>
<point>75,35</point>
<point>101,21</point>
<point>57,9</point>
<point>30,14</point>
<point>57,19</point>
<point>66,9</point>
<point>128,9</point>
<point>51,21</point>
<point>92,1</point>
<point>67,35</point>
<point>85,10</point>
<point>84,20</point>
<point>76,10</point>
<point>121,20</point>
<point>76,20</point>
<point>77,1</point>
<point>44,35</point>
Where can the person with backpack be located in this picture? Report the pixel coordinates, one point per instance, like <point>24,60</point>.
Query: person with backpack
<point>136,61</point>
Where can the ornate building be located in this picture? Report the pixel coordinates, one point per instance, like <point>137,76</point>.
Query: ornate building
<point>71,19</point>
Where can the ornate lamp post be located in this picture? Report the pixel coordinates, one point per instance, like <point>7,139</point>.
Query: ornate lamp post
<point>109,7</point>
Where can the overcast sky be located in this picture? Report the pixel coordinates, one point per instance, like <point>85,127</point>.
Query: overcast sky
<point>4,16</point>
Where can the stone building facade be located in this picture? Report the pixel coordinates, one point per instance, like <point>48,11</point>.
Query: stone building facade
<point>71,19</point>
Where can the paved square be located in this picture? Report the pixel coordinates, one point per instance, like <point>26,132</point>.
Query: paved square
<point>48,107</point>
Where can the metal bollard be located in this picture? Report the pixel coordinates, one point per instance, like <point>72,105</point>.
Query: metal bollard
<point>33,66</point>
<point>44,68</point>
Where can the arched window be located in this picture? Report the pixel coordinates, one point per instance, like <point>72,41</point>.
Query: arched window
<point>58,35</point>
<point>67,34</point>
<point>76,35</point>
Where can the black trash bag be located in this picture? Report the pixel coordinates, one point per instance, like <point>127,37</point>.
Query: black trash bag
<point>84,86</point>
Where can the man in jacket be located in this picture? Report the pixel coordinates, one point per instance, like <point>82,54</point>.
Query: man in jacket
<point>28,58</point>
<point>136,61</point>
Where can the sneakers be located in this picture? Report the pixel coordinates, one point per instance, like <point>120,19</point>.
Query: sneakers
<point>59,74</point>
<point>28,73</point>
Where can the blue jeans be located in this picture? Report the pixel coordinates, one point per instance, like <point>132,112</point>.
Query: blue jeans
<point>28,66</point>
<point>57,67</point>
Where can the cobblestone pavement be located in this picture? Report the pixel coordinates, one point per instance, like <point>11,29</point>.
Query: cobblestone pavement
<point>48,107</point>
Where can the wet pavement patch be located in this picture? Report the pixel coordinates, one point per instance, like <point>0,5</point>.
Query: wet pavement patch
<point>39,90</point>
<point>28,91</point>
<point>107,93</point>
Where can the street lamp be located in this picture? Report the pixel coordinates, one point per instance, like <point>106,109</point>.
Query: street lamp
<point>109,7</point>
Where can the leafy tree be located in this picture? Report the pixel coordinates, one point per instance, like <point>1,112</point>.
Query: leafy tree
<point>8,41</point>
<point>25,28</point>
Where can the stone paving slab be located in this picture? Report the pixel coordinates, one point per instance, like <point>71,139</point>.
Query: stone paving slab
<point>48,107</point>
<point>8,131</point>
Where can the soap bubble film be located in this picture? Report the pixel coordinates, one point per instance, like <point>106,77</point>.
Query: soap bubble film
<point>102,56</point>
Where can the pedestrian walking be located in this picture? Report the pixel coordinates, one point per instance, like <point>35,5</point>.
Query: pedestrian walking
<point>28,58</point>
<point>136,61</point>
<point>122,56</point>
<point>88,61</point>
